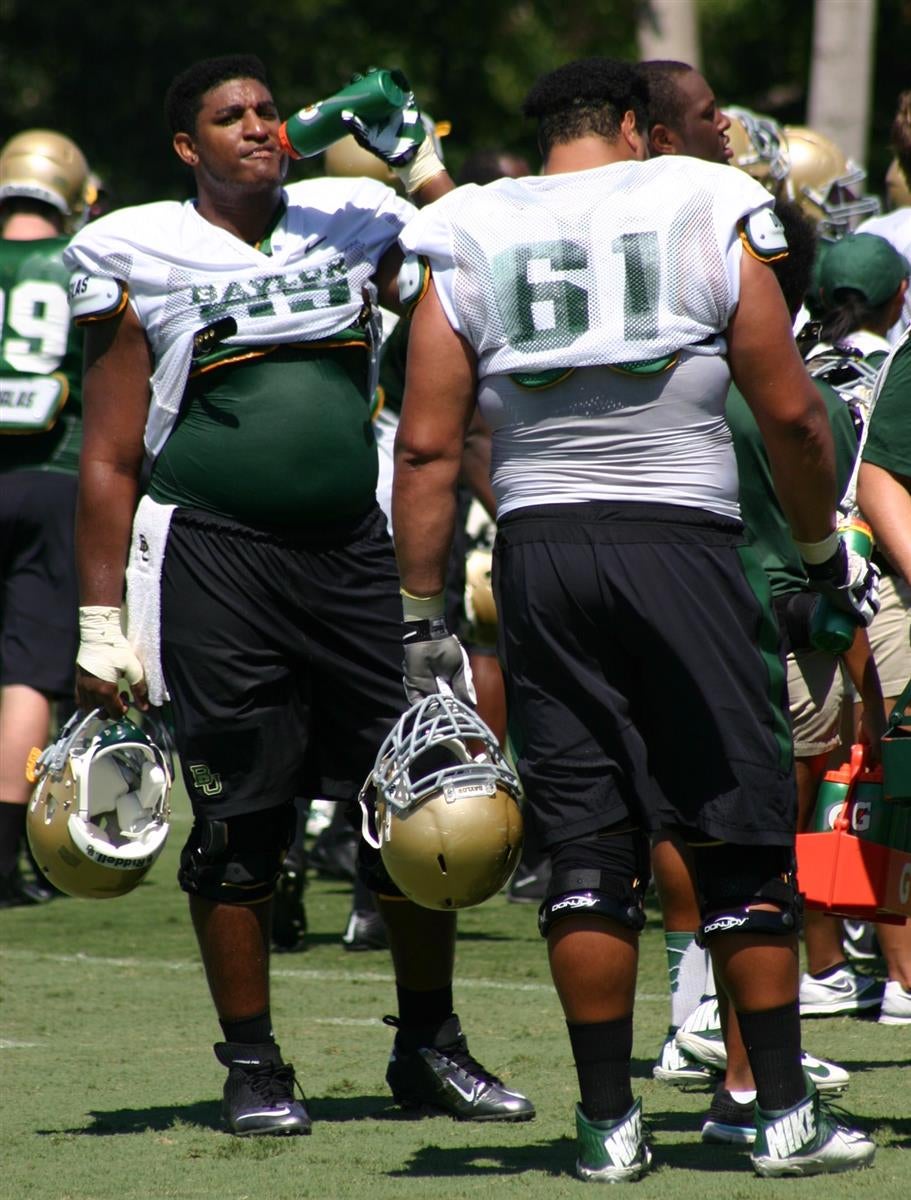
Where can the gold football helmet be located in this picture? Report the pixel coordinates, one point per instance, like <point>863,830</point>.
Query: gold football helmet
<point>480,606</point>
<point>43,165</point>
<point>898,189</point>
<point>98,817</point>
<point>827,185</point>
<point>348,159</point>
<point>758,147</point>
<point>446,819</point>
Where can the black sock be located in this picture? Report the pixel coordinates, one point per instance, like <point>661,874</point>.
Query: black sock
<point>249,1031</point>
<point>12,830</point>
<point>602,1053</point>
<point>424,1010</point>
<point>772,1040</point>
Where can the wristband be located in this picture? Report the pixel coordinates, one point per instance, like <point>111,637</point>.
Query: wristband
<point>815,553</point>
<point>421,169</point>
<point>103,650</point>
<point>422,608</point>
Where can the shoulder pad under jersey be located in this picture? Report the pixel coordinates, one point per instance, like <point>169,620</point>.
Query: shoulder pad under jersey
<point>413,279</point>
<point>763,235</point>
<point>95,298</point>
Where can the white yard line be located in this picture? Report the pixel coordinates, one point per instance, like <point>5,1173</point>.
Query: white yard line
<point>301,973</point>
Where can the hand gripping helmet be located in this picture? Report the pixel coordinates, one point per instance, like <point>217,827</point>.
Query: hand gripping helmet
<point>447,821</point>
<point>827,185</point>
<point>758,147</point>
<point>43,165</point>
<point>98,817</point>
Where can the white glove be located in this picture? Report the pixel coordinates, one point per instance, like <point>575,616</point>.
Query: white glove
<point>103,650</point>
<point>401,142</point>
<point>435,662</point>
<point>848,582</point>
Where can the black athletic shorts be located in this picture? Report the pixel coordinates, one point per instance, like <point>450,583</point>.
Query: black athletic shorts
<point>643,677</point>
<point>39,598</point>
<point>283,659</point>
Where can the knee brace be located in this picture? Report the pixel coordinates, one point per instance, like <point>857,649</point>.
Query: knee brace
<point>236,860</point>
<point>601,874</point>
<point>732,879</point>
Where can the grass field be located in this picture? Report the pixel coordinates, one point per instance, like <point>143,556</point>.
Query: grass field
<point>110,1090</point>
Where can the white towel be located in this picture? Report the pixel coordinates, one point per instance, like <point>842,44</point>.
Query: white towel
<point>147,546</point>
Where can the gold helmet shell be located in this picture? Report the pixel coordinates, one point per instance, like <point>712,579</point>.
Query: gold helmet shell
<point>447,821</point>
<point>827,185</point>
<point>758,146</point>
<point>40,164</point>
<point>480,606</point>
<point>346,158</point>
<point>98,816</point>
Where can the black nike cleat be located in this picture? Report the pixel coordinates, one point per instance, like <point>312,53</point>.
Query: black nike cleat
<point>259,1096</point>
<point>444,1077</point>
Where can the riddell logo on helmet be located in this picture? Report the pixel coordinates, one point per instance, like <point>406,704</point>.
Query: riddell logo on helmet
<point>107,860</point>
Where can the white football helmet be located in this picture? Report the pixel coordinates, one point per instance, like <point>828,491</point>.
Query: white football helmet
<point>827,185</point>
<point>98,817</point>
<point>447,821</point>
<point>758,146</point>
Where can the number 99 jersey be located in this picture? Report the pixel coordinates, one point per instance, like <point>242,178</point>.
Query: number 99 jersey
<point>40,359</point>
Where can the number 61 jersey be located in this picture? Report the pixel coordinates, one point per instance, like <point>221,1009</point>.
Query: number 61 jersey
<point>40,359</point>
<point>596,302</point>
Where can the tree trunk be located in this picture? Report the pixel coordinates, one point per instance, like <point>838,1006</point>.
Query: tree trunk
<point>841,72</point>
<point>668,29</point>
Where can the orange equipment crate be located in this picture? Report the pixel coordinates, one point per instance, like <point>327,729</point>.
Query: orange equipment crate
<point>840,869</point>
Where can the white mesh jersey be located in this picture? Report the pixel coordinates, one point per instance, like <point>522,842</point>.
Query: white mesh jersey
<point>584,275</point>
<point>617,264</point>
<point>183,274</point>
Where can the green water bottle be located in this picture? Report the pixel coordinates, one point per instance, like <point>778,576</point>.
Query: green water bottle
<point>372,97</point>
<point>830,799</point>
<point>830,628</point>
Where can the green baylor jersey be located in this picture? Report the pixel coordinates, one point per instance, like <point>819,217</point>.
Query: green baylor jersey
<point>40,360</point>
<point>275,440</point>
<point>767,528</point>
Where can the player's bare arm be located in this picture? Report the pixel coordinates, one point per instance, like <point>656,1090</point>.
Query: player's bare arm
<point>436,412</point>
<point>885,500</point>
<point>116,400</point>
<point>791,415</point>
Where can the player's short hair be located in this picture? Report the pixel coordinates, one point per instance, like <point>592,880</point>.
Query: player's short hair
<point>794,271</point>
<point>666,105</point>
<point>183,99</point>
<point>588,96</point>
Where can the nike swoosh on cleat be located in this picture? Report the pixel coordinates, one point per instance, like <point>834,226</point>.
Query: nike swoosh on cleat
<point>266,1112</point>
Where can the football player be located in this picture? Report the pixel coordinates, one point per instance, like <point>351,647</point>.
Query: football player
<point>230,342</point>
<point>42,177</point>
<point>895,225</point>
<point>639,651</point>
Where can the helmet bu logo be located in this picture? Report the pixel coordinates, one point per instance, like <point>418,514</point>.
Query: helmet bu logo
<point>204,780</point>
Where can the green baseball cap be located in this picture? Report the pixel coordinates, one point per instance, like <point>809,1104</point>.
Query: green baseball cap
<point>865,263</point>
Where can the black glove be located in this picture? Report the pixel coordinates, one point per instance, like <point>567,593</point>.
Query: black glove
<point>848,582</point>
<point>435,662</point>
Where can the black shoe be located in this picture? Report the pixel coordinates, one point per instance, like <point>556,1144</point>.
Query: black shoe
<point>729,1121</point>
<point>259,1091</point>
<point>365,931</point>
<point>16,890</point>
<point>289,917</point>
<point>444,1077</point>
<point>529,884</point>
